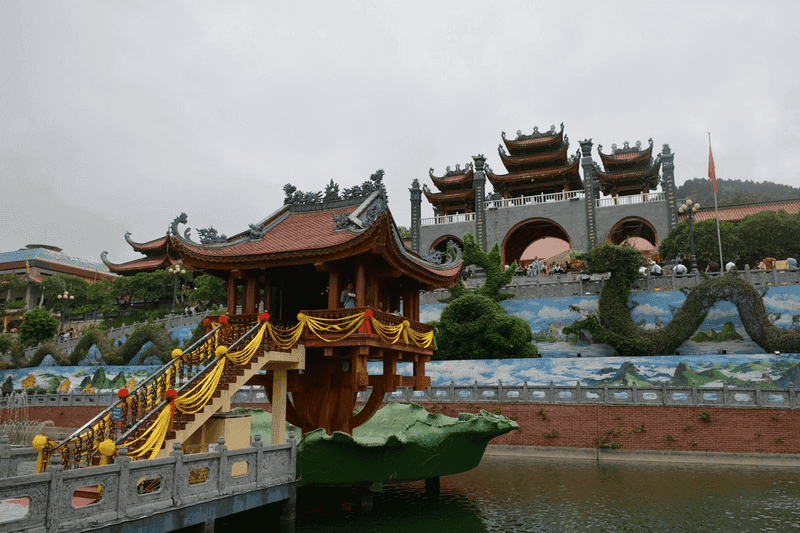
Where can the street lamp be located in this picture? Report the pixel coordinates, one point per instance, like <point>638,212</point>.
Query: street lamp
<point>176,271</point>
<point>66,297</point>
<point>689,210</point>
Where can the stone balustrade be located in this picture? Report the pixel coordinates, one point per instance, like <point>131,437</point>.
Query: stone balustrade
<point>189,488</point>
<point>580,394</point>
<point>567,285</point>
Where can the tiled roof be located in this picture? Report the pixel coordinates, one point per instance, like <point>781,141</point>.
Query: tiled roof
<point>43,254</point>
<point>736,213</point>
<point>143,264</point>
<point>297,232</point>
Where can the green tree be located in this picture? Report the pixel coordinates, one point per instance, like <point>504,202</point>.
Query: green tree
<point>57,284</point>
<point>496,277</point>
<point>37,326</point>
<point>768,234</point>
<point>5,343</point>
<point>476,327</point>
<point>705,242</point>
<point>209,290</point>
<point>404,232</point>
<point>10,283</point>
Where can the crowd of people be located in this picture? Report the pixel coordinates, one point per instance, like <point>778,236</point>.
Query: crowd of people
<point>653,268</point>
<point>540,267</point>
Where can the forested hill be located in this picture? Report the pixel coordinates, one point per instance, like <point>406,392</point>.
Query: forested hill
<point>733,192</point>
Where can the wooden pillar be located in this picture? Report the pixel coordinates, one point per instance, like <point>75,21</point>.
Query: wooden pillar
<point>376,294</point>
<point>408,303</point>
<point>232,290</point>
<point>334,290</point>
<point>278,407</point>
<point>361,284</point>
<point>250,295</point>
<point>267,293</point>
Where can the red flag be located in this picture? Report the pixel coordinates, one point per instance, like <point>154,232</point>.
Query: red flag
<point>712,175</point>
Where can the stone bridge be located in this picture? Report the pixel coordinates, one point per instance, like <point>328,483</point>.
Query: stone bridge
<point>162,494</point>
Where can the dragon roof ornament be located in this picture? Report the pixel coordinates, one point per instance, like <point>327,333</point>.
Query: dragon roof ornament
<point>536,133</point>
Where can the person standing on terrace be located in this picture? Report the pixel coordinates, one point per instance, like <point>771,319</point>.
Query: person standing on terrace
<point>348,297</point>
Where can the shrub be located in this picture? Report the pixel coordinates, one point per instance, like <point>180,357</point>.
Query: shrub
<point>37,326</point>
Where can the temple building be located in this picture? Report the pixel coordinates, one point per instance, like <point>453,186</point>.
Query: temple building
<point>456,194</point>
<point>34,264</point>
<point>537,164</point>
<point>544,195</point>
<point>628,170</point>
<point>326,259</point>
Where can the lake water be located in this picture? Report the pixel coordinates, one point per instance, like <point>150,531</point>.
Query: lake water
<point>511,494</point>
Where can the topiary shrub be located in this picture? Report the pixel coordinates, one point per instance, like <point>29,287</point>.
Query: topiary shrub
<point>476,327</point>
<point>613,323</point>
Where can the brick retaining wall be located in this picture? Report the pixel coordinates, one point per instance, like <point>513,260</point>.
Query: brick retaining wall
<point>731,430</point>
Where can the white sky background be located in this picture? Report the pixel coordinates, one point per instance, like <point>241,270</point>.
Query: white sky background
<point>117,116</point>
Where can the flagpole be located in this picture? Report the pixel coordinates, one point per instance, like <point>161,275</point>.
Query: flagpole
<point>712,172</point>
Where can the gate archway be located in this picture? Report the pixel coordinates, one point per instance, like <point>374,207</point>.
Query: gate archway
<point>440,243</point>
<point>633,228</point>
<point>528,232</point>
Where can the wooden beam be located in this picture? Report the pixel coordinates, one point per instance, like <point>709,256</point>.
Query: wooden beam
<point>361,284</point>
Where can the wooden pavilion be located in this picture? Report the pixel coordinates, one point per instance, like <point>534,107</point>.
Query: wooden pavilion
<point>295,264</point>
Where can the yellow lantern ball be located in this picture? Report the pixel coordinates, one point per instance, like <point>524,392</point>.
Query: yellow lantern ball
<point>39,442</point>
<point>107,447</point>
<point>177,352</point>
<point>221,350</point>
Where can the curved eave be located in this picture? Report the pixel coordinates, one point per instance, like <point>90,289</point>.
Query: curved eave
<point>646,174</point>
<point>151,246</point>
<point>514,163</point>
<point>145,264</point>
<point>523,145</point>
<point>427,274</point>
<point>461,196</point>
<point>626,158</point>
<point>535,175</point>
<point>449,181</point>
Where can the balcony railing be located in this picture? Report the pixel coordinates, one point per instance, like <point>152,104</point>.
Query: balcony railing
<point>448,219</point>
<point>632,199</point>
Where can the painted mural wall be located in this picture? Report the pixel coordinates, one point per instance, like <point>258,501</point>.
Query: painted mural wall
<point>699,361</point>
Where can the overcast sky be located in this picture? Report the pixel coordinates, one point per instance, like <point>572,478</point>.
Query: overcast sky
<point>117,116</point>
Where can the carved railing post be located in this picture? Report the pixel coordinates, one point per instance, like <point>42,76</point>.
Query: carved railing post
<point>293,458</point>
<point>124,463</point>
<point>5,457</point>
<point>222,450</point>
<point>56,472</point>
<point>258,444</point>
<point>179,476</point>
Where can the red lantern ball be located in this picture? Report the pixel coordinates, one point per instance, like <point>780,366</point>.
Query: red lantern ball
<point>263,317</point>
<point>223,319</point>
<point>207,322</point>
<point>171,394</point>
<point>122,393</point>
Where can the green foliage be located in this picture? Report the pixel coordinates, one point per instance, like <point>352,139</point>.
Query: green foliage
<point>37,326</point>
<point>209,290</point>
<point>10,283</point>
<point>404,232</point>
<point>757,236</point>
<point>49,348</point>
<point>613,323</point>
<point>6,342</point>
<point>492,265</point>
<point>155,333</point>
<point>476,327</point>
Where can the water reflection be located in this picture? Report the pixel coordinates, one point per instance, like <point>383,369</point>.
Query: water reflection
<point>523,494</point>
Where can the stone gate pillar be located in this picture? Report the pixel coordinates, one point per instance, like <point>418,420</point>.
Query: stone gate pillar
<point>668,185</point>
<point>589,179</point>
<point>479,184</point>
<point>416,213</point>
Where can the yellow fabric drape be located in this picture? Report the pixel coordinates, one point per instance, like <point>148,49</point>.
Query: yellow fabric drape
<point>153,437</point>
